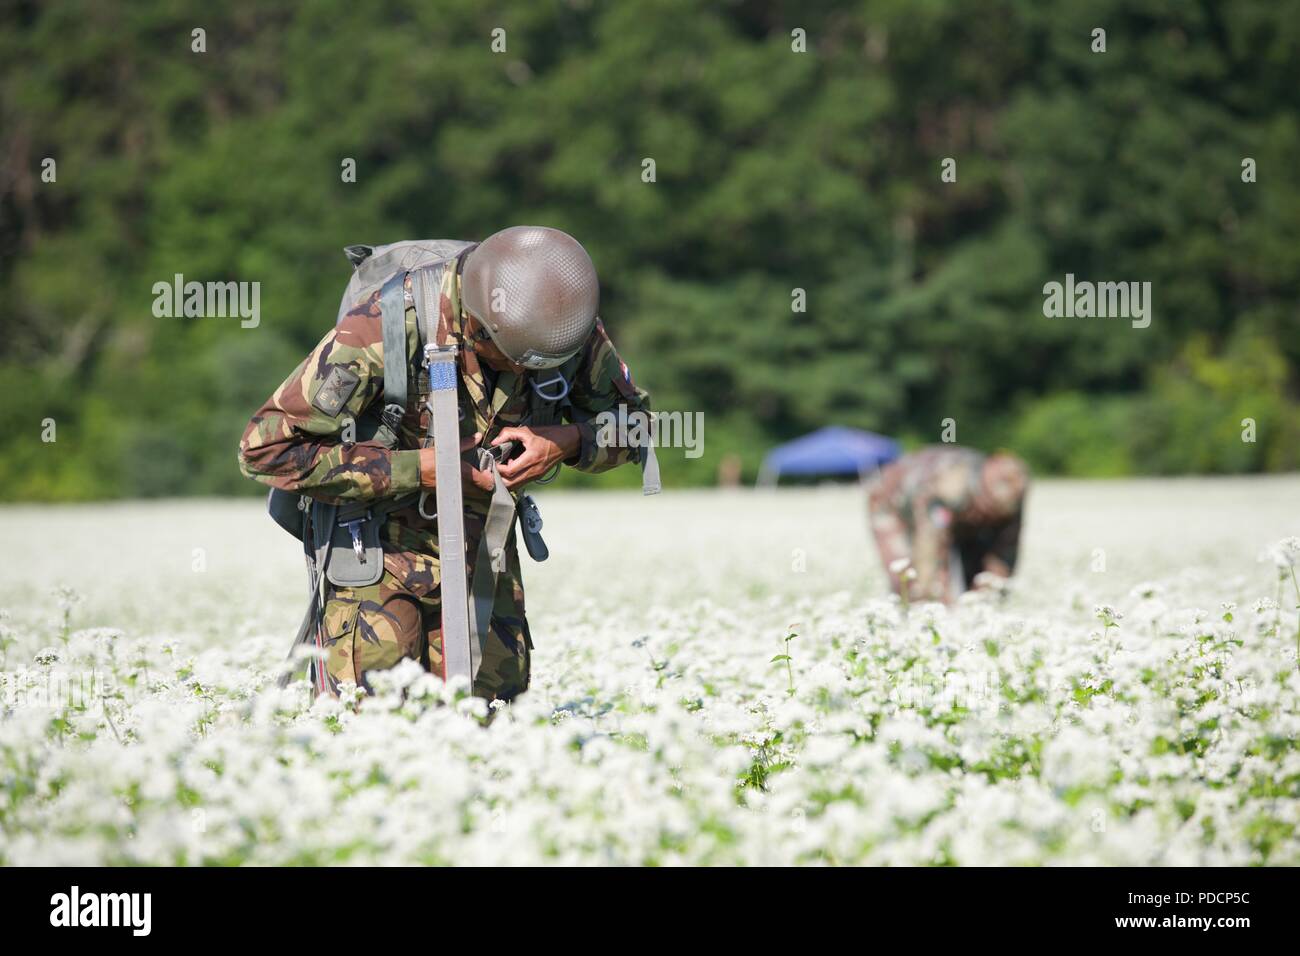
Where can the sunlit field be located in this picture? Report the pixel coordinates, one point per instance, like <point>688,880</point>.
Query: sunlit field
<point>718,678</point>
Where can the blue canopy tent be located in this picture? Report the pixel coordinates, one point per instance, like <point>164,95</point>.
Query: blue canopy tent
<point>829,451</point>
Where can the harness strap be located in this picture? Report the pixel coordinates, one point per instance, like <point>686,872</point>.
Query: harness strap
<point>392,303</point>
<point>316,545</point>
<point>426,290</point>
<point>375,508</point>
<point>649,469</point>
<point>456,651</point>
<point>458,659</point>
<point>490,560</point>
<point>306,630</point>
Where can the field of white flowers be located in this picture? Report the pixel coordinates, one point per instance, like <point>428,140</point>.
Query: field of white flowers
<point>1130,700</point>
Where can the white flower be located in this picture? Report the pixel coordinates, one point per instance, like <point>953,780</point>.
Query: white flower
<point>1282,553</point>
<point>1107,614</point>
<point>1147,589</point>
<point>685,749</point>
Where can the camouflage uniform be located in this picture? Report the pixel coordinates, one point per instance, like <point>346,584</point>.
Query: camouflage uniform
<point>950,516</point>
<point>295,442</point>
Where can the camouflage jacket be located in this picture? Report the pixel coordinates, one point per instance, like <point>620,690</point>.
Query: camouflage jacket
<point>936,498</point>
<point>296,440</point>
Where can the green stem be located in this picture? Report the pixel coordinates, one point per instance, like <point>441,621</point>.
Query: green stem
<point>789,667</point>
<point>1277,610</point>
<point>111,726</point>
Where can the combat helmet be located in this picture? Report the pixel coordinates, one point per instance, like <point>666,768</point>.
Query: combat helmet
<point>534,290</point>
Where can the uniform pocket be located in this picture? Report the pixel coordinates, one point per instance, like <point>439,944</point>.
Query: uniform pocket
<point>339,625</point>
<point>355,561</point>
<point>370,629</point>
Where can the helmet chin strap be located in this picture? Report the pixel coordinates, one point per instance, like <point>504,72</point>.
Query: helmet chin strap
<point>554,389</point>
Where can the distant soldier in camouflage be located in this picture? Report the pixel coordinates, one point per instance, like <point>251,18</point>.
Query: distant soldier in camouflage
<point>947,515</point>
<point>304,440</point>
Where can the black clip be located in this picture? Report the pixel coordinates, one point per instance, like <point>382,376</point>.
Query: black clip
<point>530,523</point>
<point>392,416</point>
<point>358,254</point>
<point>354,529</point>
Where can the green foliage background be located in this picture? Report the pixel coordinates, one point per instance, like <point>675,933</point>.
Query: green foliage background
<point>775,171</point>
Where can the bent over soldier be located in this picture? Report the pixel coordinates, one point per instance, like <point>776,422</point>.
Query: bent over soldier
<point>534,368</point>
<point>948,514</point>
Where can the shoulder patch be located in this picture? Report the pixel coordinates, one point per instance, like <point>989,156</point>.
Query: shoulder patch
<point>623,381</point>
<point>620,374</point>
<point>335,391</point>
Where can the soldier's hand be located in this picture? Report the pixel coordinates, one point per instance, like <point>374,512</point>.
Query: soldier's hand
<point>468,473</point>
<point>543,448</point>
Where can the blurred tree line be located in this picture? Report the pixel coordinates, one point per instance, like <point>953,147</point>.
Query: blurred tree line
<point>775,171</point>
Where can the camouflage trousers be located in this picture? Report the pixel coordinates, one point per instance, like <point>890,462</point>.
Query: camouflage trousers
<point>929,554</point>
<point>945,559</point>
<point>373,628</point>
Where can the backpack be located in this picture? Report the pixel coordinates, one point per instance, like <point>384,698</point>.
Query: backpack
<point>372,267</point>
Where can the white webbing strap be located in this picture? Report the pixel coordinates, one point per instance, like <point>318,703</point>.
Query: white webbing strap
<point>444,377</point>
<point>457,656</point>
<point>650,484</point>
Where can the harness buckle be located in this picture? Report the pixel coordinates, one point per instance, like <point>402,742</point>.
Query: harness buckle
<point>392,417</point>
<point>555,383</point>
<point>354,529</point>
